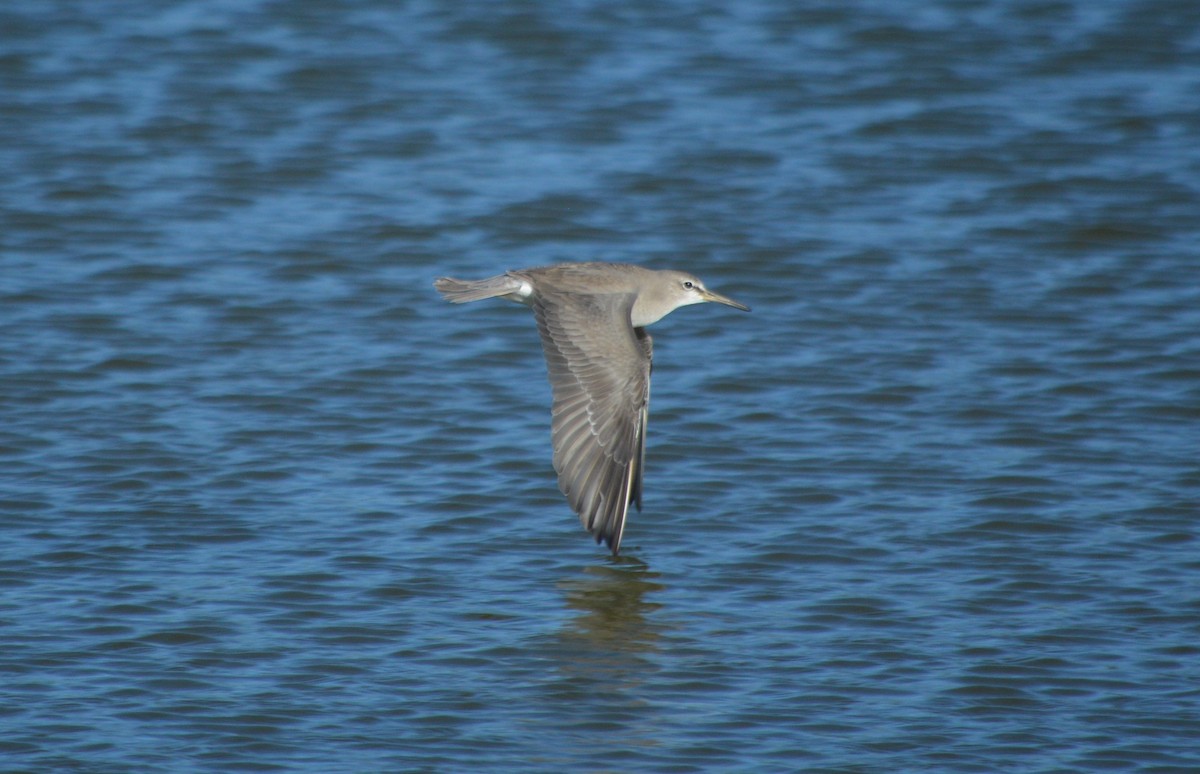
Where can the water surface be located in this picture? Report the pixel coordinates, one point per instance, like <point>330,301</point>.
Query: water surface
<point>269,504</point>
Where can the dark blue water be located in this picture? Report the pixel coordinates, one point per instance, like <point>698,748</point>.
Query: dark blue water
<point>268,504</point>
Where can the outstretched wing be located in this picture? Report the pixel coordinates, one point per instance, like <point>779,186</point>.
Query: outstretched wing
<point>600,376</point>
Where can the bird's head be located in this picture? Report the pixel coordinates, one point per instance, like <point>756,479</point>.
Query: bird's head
<point>671,290</point>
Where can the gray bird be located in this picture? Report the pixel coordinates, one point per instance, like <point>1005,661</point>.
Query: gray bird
<point>592,318</point>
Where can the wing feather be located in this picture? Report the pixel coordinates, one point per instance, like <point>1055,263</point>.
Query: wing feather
<point>599,368</point>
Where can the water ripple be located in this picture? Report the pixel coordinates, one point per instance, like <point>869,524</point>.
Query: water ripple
<point>269,504</point>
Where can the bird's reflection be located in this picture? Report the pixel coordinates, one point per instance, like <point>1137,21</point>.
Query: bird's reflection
<point>612,633</point>
<point>601,657</point>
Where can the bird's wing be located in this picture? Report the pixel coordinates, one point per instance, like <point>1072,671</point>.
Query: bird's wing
<point>647,344</point>
<point>600,376</point>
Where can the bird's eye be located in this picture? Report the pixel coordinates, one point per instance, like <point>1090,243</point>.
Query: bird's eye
<point>689,284</point>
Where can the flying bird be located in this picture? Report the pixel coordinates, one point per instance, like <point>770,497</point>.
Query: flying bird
<point>592,318</point>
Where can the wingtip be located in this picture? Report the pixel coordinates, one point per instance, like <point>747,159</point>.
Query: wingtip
<point>607,538</point>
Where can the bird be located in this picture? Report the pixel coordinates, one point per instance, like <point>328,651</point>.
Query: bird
<point>592,319</point>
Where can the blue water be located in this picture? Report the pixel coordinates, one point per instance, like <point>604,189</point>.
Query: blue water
<point>267,503</point>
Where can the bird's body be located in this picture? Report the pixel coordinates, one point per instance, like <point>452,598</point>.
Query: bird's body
<point>592,318</point>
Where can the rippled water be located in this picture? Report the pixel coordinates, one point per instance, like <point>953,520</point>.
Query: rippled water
<point>268,503</point>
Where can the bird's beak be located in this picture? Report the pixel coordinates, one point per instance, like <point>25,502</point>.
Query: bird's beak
<point>708,295</point>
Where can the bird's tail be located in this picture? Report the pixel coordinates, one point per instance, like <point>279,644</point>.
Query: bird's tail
<point>462,291</point>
